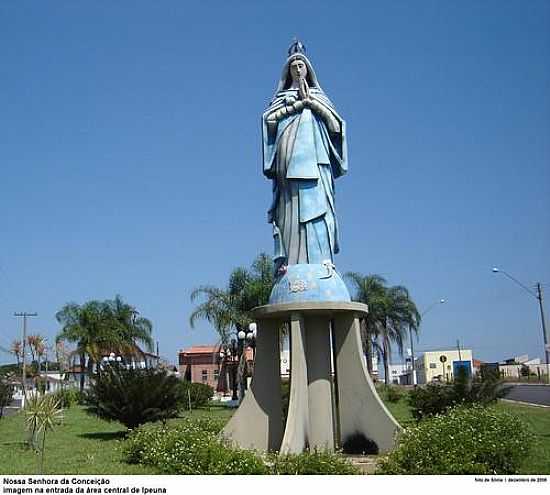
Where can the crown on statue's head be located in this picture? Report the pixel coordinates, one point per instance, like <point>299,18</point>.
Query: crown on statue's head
<point>296,47</point>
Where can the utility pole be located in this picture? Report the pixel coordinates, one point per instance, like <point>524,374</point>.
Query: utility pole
<point>544,334</point>
<point>413,370</point>
<point>538,296</point>
<point>24,342</point>
<point>458,347</point>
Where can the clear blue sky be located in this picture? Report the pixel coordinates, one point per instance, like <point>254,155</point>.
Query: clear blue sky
<point>130,155</point>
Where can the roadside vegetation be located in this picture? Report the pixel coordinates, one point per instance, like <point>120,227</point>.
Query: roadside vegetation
<point>81,443</point>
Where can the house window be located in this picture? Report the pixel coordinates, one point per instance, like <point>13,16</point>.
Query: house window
<point>433,366</point>
<point>216,375</point>
<point>204,375</point>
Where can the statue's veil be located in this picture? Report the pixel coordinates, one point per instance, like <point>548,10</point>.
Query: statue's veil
<point>286,78</point>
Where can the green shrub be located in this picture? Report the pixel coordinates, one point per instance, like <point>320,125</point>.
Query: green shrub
<point>467,440</point>
<point>317,462</point>
<point>199,393</point>
<point>68,397</point>
<point>191,447</point>
<point>429,400</point>
<point>135,396</point>
<point>6,394</point>
<point>393,394</point>
<point>437,399</point>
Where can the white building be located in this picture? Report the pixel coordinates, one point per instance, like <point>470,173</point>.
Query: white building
<point>521,367</point>
<point>399,373</point>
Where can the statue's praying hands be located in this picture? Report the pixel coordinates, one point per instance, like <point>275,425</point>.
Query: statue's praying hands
<point>293,105</point>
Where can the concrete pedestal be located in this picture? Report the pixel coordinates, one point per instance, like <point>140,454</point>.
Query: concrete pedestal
<point>313,421</point>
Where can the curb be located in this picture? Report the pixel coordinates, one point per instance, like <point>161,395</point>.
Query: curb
<point>525,403</point>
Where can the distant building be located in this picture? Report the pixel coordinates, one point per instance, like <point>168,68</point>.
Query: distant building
<point>443,365</point>
<point>521,366</point>
<point>399,373</point>
<point>204,364</point>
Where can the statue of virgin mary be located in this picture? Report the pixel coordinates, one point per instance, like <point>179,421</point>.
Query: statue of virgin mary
<point>304,150</point>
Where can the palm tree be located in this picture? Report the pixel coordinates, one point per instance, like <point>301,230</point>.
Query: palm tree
<point>17,351</point>
<point>31,343</point>
<point>229,309</point>
<point>40,346</point>
<point>131,327</point>
<point>88,326</point>
<point>371,290</point>
<point>391,312</point>
<point>399,312</point>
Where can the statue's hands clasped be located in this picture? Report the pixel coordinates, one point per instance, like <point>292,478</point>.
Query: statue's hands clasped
<point>295,105</point>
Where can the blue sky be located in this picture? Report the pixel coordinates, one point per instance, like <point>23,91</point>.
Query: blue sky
<point>130,155</point>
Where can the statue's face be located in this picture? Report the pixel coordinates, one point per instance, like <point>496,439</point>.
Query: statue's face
<point>298,70</point>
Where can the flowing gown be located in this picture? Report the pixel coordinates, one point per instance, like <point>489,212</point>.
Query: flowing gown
<point>303,158</point>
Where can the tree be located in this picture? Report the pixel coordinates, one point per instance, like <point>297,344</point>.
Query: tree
<point>229,309</point>
<point>391,312</point>
<point>101,327</point>
<point>37,345</point>
<point>17,351</point>
<point>371,290</point>
<point>30,343</point>
<point>130,326</point>
<point>89,327</point>
<point>400,313</point>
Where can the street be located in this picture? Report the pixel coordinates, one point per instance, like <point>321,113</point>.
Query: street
<point>534,394</point>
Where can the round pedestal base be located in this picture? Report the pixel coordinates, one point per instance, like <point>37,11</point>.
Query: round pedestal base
<point>306,282</point>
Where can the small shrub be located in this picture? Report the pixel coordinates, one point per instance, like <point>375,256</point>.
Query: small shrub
<point>135,396</point>
<point>68,397</point>
<point>191,447</point>
<point>429,400</point>
<point>200,394</point>
<point>359,444</point>
<point>42,413</point>
<point>467,440</point>
<point>316,462</point>
<point>393,394</point>
<point>6,394</point>
<point>437,399</point>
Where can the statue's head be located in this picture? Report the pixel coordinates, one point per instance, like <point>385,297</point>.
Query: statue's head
<point>297,66</point>
<point>297,69</point>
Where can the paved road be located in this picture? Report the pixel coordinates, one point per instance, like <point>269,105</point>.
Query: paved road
<point>535,394</point>
<point>10,411</point>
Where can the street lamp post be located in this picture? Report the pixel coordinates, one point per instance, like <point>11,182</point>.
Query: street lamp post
<point>232,355</point>
<point>429,308</point>
<point>246,339</point>
<point>537,295</point>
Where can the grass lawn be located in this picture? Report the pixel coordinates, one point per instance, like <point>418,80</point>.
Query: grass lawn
<point>83,444</point>
<point>538,418</point>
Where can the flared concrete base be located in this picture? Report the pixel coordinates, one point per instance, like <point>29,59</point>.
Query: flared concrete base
<point>320,416</point>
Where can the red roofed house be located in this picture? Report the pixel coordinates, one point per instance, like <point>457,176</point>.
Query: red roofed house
<point>203,364</point>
